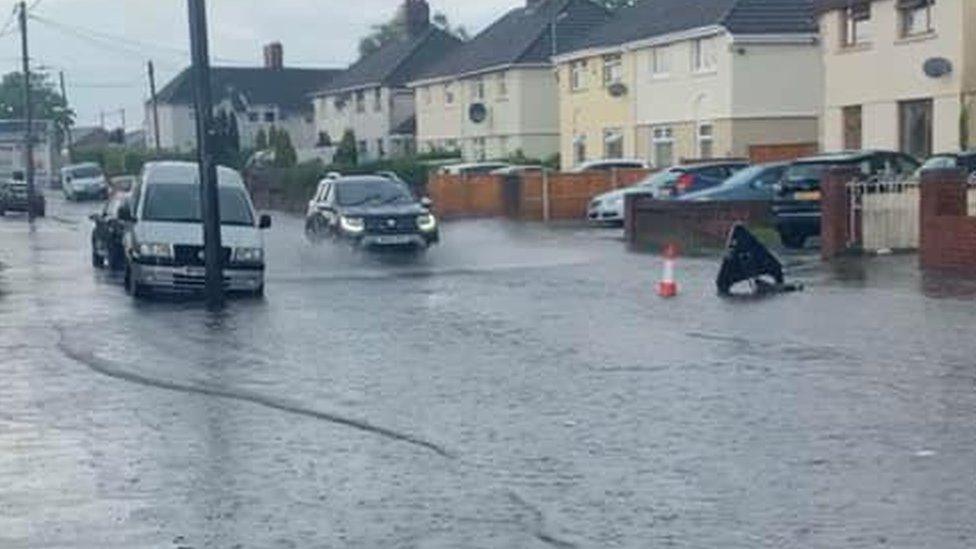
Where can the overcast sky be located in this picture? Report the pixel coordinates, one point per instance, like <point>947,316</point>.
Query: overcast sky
<point>105,73</point>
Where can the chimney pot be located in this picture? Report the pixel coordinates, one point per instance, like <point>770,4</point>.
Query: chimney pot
<point>416,16</point>
<point>274,56</point>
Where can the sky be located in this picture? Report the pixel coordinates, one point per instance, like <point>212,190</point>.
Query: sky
<point>103,45</point>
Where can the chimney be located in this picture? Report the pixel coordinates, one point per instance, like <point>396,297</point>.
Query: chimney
<point>416,16</point>
<point>274,56</point>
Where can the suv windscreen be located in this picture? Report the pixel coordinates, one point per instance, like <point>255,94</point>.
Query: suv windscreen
<point>85,172</point>
<point>180,203</point>
<point>377,191</point>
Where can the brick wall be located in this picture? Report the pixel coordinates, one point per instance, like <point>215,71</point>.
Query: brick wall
<point>948,235</point>
<point>835,213</point>
<point>689,225</point>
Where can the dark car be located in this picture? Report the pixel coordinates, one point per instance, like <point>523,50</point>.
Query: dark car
<point>14,198</point>
<point>696,177</point>
<point>107,234</point>
<point>796,207</point>
<point>965,160</point>
<point>371,212</point>
<point>755,183</point>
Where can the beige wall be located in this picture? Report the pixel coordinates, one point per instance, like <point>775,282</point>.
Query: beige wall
<point>776,80</point>
<point>522,117</point>
<point>747,132</point>
<point>888,70</point>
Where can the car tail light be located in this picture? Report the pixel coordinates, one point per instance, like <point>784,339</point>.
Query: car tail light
<point>684,183</point>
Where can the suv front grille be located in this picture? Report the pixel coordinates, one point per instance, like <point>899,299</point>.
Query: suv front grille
<point>391,224</point>
<point>192,256</point>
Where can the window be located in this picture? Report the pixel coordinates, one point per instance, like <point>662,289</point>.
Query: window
<point>663,144</point>
<point>579,149</point>
<point>377,100</point>
<point>269,116</point>
<point>612,69</point>
<point>479,149</point>
<point>915,17</point>
<point>503,145</point>
<point>857,24</point>
<point>915,127</point>
<point>703,57</point>
<point>339,103</point>
<point>501,84</point>
<point>362,147</point>
<point>660,62</point>
<point>360,101</point>
<point>613,143</point>
<point>852,127</point>
<point>253,116</point>
<point>478,89</point>
<point>706,140</point>
<point>324,140</point>
<point>380,148</point>
<point>577,77</point>
<point>449,94</point>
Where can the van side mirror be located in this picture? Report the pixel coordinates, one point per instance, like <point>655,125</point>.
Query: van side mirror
<point>426,202</point>
<point>125,213</point>
<point>264,222</point>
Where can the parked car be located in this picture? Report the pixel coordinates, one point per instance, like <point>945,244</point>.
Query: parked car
<point>755,183</point>
<point>610,164</point>
<point>670,183</point>
<point>86,180</point>
<point>796,207</point>
<point>164,242</point>
<point>107,234</point>
<point>14,196</point>
<point>518,170</point>
<point>965,160</point>
<point>371,212</point>
<point>472,168</point>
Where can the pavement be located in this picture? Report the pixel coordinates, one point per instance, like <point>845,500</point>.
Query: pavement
<point>517,387</point>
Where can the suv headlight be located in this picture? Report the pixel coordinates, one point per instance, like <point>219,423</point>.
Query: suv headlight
<point>153,249</point>
<point>426,222</point>
<point>352,224</point>
<point>247,255</point>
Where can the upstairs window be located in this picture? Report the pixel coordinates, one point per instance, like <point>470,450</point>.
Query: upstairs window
<point>612,69</point>
<point>477,89</point>
<point>360,101</point>
<point>502,85</point>
<point>577,78</point>
<point>703,56</point>
<point>378,100</point>
<point>449,94</point>
<point>915,17</point>
<point>660,62</point>
<point>857,25</point>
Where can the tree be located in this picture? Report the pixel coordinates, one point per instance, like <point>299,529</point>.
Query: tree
<point>347,154</point>
<point>285,156</point>
<point>261,140</point>
<point>47,101</point>
<point>396,29</point>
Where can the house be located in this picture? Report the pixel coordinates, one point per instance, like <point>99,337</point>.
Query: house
<point>371,98</point>
<point>260,98</point>
<point>899,74</point>
<point>667,80</point>
<point>47,154</point>
<point>496,96</point>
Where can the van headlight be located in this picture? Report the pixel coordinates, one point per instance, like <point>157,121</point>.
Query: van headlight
<point>247,255</point>
<point>426,222</point>
<point>155,250</point>
<point>354,225</point>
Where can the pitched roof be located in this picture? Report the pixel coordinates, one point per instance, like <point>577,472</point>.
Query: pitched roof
<point>287,88</point>
<point>522,36</point>
<point>396,62</point>
<point>651,18</point>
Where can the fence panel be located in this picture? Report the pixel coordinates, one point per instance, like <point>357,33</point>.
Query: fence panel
<point>884,214</point>
<point>971,202</point>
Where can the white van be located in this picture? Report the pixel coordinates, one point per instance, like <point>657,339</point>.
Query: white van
<point>164,242</point>
<point>85,180</point>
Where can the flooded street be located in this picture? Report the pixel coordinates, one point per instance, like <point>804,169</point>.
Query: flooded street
<point>516,386</point>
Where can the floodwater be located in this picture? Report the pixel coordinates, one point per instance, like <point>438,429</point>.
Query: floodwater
<point>516,387</point>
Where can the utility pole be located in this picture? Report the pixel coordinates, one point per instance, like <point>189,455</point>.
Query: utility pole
<point>67,128</point>
<point>203,102</point>
<point>155,105</point>
<point>29,118</point>
<point>101,119</point>
<point>122,114</point>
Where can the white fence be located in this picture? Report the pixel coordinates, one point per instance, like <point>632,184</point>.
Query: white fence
<point>972,195</point>
<point>884,213</point>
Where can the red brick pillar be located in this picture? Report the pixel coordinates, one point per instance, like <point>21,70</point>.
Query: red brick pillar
<point>943,194</point>
<point>835,212</point>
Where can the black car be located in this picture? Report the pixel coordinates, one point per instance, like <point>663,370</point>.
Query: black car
<point>965,160</point>
<point>371,212</point>
<point>796,207</point>
<point>690,178</point>
<point>106,237</point>
<point>14,198</point>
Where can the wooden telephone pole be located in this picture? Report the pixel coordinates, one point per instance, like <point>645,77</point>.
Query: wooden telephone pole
<point>28,118</point>
<point>155,104</point>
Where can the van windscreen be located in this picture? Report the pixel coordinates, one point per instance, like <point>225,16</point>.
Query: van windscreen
<point>180,203</point>
<point>85,172</point>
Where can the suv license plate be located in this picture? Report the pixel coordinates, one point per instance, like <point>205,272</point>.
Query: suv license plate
<point>811,195</point>
<point>393,240</point>
<point>195,271</point>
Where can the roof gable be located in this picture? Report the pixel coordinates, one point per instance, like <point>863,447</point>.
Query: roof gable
<point>286,88</point>
<point>523,36</point>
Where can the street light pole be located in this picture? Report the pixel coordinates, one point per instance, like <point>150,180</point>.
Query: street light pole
<point>155,104</point>
<point>67,126</point>
<point>203,102</point>
<point>29,118</point>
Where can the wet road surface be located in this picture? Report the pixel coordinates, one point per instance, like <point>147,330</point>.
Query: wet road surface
<point>515,387</point>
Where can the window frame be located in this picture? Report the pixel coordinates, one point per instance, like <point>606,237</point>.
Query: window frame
<point>858,16</point>
<point>704,55</point>
<point>906,15</point>
<point>617,134</point>
<point>660,62</point>
<point>577,75</point>
<point>449,97</point>
<point>662,135</point>
<point>701,139</point>
<point>613,69</point>
<point>378,100</point>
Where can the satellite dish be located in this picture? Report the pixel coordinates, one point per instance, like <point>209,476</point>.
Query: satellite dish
<point>937,67</point>
<point>617,89</point>
<point>477,113</point>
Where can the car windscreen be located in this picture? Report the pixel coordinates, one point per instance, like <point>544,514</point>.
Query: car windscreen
<point>378,191</point>
<point>177,202</point>
<point>659,180</point>
<point>85,172</point>
<point>940,162</point>
<point>743,177</point>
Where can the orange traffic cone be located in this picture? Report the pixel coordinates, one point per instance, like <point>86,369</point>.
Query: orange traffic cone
<point>668,287</point>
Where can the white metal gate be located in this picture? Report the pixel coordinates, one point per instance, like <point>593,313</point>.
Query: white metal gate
<point>884,214</point>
